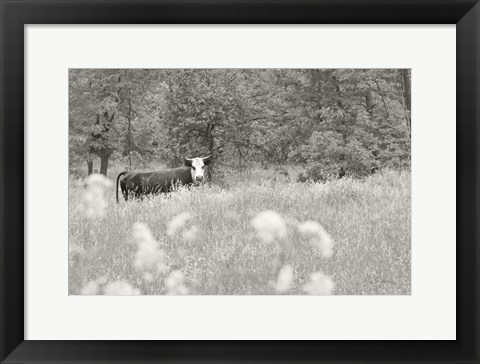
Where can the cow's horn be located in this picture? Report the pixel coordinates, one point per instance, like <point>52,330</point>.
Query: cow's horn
<point>187,161</point>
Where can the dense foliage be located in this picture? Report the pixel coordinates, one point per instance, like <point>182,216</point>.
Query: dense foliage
<point>332,121</point>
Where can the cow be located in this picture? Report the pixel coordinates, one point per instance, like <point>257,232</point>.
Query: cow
<point>140,184</point>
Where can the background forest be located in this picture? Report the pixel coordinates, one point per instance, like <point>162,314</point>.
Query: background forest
<point>330,122</point>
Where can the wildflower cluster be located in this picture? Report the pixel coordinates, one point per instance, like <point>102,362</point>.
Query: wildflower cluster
<point>149,255</point>
<point>120,288</point>
<point>319,285</point>
<point>177,223</point>
<point>93,203</point>
<point>318,237</point>
<point>270,226</point>
<point>115,288</point>
<point>285,279</point>
<point>175,284</point>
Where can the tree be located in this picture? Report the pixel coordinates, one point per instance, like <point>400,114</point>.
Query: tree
<point>407,95</point>
<point>328,120</point>
<point>113,111</point>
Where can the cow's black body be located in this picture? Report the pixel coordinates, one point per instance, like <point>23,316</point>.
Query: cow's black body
<point>139,184</point>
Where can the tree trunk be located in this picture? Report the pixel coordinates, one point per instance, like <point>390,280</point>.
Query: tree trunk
<point>104,164</point>
<point>369,102</point>
<point>129,136</point>
<point>89,167</point>
<point>382,97</point>
<point>90,156</point>
<point>407,96</point>
<point>210,139</point>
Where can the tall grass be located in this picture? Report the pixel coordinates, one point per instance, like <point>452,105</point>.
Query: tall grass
<point>217,247</point>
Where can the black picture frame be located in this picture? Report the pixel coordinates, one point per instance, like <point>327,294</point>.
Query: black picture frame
<point>15,14</point>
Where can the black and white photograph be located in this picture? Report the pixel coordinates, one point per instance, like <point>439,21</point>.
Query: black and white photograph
<point>239,181</point>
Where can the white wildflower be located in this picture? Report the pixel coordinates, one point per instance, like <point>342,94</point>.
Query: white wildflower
<point>284,280</point>
<point>175,285</point>
<point>93,203</point>
<point>98,179</point>
<point>120,288</point>
<point>190,234</point>
<point>269,226</point>
<point>149,255</point>
<point>75,249</point>
<point>102,280</point>
<point>91,288</point>
<point>148,277</point>
<point>177,223</point>
<point>141,233</point>
<point>319,285</point>
<point>318,237</point>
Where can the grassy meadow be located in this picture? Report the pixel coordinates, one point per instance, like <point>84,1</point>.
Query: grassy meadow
<point>347,237</point>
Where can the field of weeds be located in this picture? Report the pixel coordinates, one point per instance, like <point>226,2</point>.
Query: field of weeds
<point>345,237</point>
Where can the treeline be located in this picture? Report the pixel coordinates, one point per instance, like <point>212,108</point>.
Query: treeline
<point>348,121</point>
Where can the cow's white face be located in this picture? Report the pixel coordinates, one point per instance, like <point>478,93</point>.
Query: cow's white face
<point>197,167</point>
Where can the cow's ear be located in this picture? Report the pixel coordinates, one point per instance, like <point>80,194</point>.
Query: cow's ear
<point>188,162</point>
<point>207,160</point>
